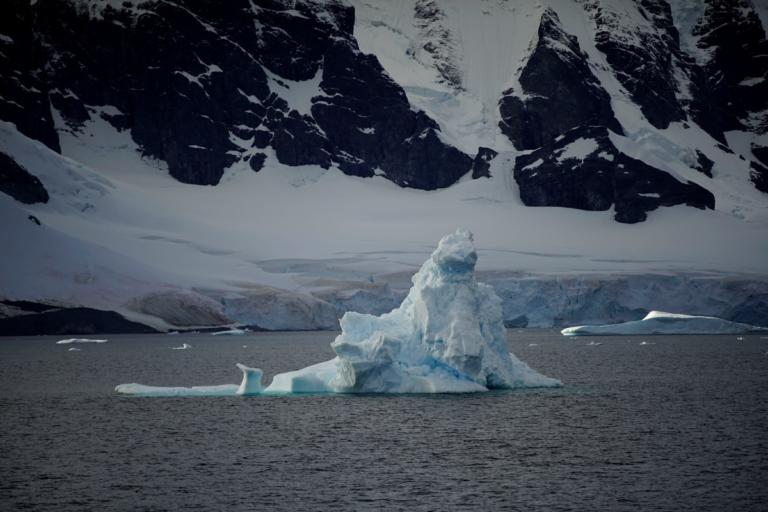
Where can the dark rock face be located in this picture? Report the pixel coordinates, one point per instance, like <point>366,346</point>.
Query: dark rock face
<point>198,87</point>
<point>598,177</point>
<point>437,40</point>
<point>703,164</point>
<point>559,93</point>
<point>20,184</point>
<point>387,134</point>
<point>203,85</point>
<point>70,321</point>
<point>731,98</point>
<point>761,153</point>
<point>643,61</point>
<point>482,164</point>
<point>759,176</point>
<point>23,88</point>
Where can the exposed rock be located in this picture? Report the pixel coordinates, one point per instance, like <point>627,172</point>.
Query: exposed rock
<point>559,91</point>
<point>18,183</point>
<point>733,97</point>
<point>436,41</point>
<point>386,134</point>
<point>761,153</point>
<point>703,164</point>
<point>257,161</point>
<point>482,164</point>
<point>23,87</point>
<point>584,170</point>
<point>644,58</point>
<point>759,176</point>
<point>70,321</point>
<point>199,110</point>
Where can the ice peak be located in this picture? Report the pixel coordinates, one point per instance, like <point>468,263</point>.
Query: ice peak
<point>455,254</point>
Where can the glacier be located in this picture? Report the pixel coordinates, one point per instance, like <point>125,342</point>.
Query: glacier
<point>447,336</point>
<point>659,322</point>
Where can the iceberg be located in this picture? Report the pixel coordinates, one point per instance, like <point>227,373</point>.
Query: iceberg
<point>659,322</point>
<point>79,340</point>
<point>251,385</point>
<point>231,332</point>
<point>447,336</point>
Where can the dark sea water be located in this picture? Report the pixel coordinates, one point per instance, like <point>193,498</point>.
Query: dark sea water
<point>679,424</point>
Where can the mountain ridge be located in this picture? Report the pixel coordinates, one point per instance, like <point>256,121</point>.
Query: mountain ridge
<point>362,131</point>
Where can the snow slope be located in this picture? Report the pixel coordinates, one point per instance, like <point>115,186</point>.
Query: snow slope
<point>120,233</point>
<point>110,237</point>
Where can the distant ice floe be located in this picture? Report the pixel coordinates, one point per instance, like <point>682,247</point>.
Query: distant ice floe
<point>79,340</point>
<point>659,322</point>
<point>184,346</point>
<point>73,349</point>
<point>447,336</point>
<point>231,332</point>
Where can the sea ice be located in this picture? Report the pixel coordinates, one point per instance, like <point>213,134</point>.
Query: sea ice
<point>251,385</point>
<point>79,340</point>
<point>184,346</point>
<point>231,332</point>
<point>447,336</point>
<point>659,322</point>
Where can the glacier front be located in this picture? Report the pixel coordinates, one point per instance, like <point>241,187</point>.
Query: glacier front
<point>447,336</point>
<point>659,322</point>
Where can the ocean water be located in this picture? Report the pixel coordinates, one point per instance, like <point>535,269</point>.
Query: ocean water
<point>680,423</point>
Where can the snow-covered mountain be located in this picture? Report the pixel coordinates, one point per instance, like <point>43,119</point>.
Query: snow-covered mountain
<point>278,162</point>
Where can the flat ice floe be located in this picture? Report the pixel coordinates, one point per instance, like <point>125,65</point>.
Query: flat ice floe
<point>231,332</point>
<point>447,336</point>
<point>79,340</point>
<point>659,322</point>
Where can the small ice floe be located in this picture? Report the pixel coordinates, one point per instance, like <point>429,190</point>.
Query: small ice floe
<point>533,344</point>
<point>659,322</point>
<point>172,332</point>
<point>594,343</point>
<point>245,346</point>
<point>184,346</point>
<point>79,340</point>
<point>739,338</point>
<point>646,343</point>
<point>231,332</point>
<point>73,349</point>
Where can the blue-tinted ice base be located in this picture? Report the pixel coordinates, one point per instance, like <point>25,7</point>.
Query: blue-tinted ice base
<point>447,336</point>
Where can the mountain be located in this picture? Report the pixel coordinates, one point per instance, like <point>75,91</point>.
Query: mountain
<point>277,162</point>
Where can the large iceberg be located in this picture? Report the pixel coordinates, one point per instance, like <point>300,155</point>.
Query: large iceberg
<point>659,322</point>
<point>447,336</point>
